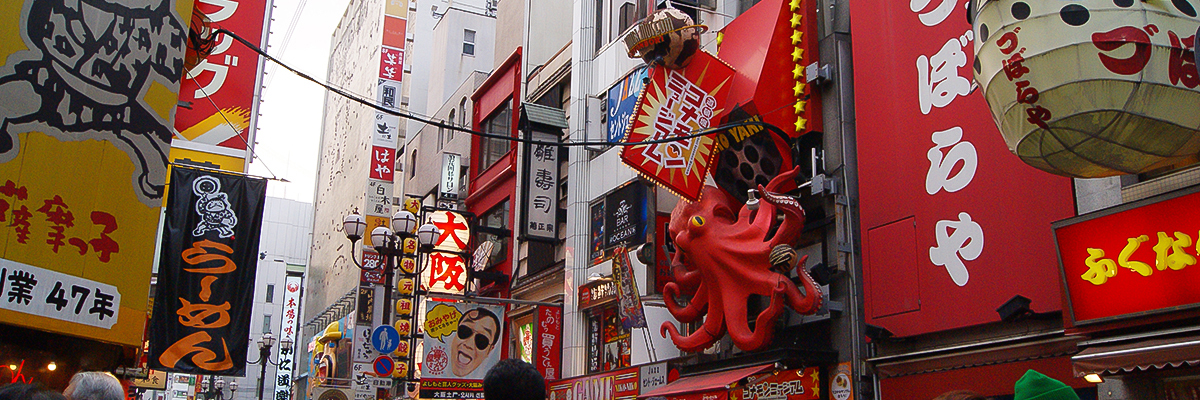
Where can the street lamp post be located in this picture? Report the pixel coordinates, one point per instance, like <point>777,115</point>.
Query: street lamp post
<point>264,357</point>
<point>216,389</point>
<point>390,245</point>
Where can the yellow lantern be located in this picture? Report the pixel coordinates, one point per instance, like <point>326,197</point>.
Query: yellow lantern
<point>408,264</point>
<point>401,349</point>
<point>404,307</point>
<point>412,204</point>
<point>405,286</point>
<point>1091,88</point>
<point>403,326</point>
<point>401,369</point>
<point>410,245</point>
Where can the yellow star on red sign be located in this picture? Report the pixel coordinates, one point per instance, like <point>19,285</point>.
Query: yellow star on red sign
<point>799,106</point>
<point>801,123</point>
<point>796,36</point>
<point>798,54</point>
<point>796,19</point>
<point>799,89</point>
<point>798,72</point>
<point>795,5</point>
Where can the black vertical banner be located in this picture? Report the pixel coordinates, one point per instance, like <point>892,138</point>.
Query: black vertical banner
<point>201,318</point>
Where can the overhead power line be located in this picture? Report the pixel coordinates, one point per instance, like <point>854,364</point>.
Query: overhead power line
<point>369,103</point>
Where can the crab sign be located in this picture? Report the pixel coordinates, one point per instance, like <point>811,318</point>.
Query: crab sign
<point>724,254</point>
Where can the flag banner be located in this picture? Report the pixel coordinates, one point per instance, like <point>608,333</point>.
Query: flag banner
<point>201,319</point>
<point>628,299</point>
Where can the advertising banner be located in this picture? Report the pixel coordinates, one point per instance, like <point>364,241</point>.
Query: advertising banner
<point>629,301</point>
<point>953,224</point>
<point>449,184</point>
<point>287,331</point>
<point>597,234</point>
<point>460,347</point>
<point>201,319</point>
<point>792,384</point>
<point>621,384</point>
<point>548,357</point>
<point>83,158</point>
<point>228,78</point>
<point>678,103</point>
<point>383,159</point>
<point>1135,259</point>
<point>541,188</point>
<point>622,101</point>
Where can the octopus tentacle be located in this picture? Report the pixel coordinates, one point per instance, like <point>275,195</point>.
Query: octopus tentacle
<point>764,324</point>
<point>697,341</point>
<point>693,310</point>
<point>811,301</point>
<point>688,280</point>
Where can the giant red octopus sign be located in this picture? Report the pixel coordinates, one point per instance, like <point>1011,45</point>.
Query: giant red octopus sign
<point>731,243</point>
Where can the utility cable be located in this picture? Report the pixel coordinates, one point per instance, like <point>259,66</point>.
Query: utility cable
<point>235,128</point>
<point>691,134</point>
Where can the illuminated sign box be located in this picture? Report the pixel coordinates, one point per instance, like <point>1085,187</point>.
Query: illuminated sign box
<point>1132,260</point>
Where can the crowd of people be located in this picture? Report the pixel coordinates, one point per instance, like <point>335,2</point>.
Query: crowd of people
<point>510,379</point>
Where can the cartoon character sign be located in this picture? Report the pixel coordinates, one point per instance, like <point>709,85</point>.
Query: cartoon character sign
<point>461,341</point>
<point>96,70</point>
<point>216,213</point>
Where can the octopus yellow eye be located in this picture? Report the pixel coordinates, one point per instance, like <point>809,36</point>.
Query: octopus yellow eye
<point>698,221</point>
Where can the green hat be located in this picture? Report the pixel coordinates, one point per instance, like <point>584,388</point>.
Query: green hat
<point>1036,386</point>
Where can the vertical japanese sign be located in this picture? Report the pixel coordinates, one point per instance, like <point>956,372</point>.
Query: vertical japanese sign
<point>460,347</point>
<point>629,301</point>
<point>228,79</point>
<point>949,216</point>
<point>597,234</point>
<point>83,161</point>
<point>287,331</point>
<point>446,266</point>
<point>541,188</point>
<point>450,165</point>
<point>206,277</point>
<point>622,101</point>
<point>548,355</point>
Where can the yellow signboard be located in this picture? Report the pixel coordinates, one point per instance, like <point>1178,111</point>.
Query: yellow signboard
<point>83,160</point>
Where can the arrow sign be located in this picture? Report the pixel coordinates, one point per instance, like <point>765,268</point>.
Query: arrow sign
<point>384,366</point>
<point>385,339</point>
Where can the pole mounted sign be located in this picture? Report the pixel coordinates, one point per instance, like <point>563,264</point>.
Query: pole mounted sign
<point>450,166</point>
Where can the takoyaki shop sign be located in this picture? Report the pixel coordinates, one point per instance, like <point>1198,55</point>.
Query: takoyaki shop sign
<point>1135,259</point>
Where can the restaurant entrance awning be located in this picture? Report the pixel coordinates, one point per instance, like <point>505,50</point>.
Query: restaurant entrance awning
<point>710,386</point>
<point>1142,355</point>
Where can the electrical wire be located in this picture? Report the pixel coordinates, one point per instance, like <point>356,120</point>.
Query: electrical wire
<point>691,134</point>
<point>235,128</point>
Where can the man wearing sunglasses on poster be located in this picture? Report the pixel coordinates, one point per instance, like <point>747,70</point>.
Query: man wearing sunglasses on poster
<point>476,336</point>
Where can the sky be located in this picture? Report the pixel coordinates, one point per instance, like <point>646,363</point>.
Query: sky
<point>289,128</point>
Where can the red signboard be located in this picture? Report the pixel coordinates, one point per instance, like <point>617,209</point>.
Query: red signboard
<point>548,355</point>
<point>382,161</point>
<point>394,32</point>
<point>391,63</point>
<point>953,224</point>
<point>678,103</point>
<point>227,78</point>
<point>621,384</point>
<point>792,384</point>
<point>1132,260</point>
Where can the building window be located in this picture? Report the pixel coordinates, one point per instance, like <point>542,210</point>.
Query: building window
<point>462,112</point>
<point>628,16</point>
<point>450,132</point>
<point>270,293</point>
<point>608,341</point>
<point>468,42</point>
<point>412,171</point>
<point>266,323</point>
<point>492,149</point>
<point>497,218</point>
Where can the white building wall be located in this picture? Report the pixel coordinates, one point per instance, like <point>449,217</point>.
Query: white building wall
<point>344,159</point>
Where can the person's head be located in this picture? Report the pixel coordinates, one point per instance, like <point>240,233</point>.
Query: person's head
<point>960,395</point>
<point>478,331</point>
<point>94,386</point>
<point>513,379</point>
<point>26,391</point>
<point>1035,386</point>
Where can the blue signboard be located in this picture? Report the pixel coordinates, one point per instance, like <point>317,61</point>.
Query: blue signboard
<point>385,339</point>
<point>622,99</point>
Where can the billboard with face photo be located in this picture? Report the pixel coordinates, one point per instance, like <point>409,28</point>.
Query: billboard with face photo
<point>460,347</point>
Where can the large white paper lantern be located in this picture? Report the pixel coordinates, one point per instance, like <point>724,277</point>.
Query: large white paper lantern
<point>1091,88</point>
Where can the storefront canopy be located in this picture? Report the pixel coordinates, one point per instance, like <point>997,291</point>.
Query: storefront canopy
<point>696,387</point>
<point>1142,355</point>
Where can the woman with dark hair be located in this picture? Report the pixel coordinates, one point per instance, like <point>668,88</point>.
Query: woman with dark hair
<point>476,337</point>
